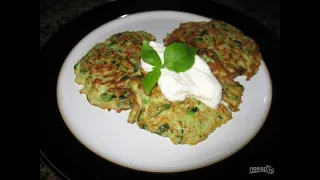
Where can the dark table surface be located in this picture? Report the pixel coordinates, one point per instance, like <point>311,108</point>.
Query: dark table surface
<point>54,14</point>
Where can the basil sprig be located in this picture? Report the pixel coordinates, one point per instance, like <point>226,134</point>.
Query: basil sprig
<point>178,57</point>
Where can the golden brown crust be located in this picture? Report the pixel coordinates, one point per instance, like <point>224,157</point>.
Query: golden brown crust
<point>185,122</point>
<point>239,54</point>
<point>107,68</point>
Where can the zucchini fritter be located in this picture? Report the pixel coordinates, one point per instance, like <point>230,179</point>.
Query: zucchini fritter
<point>232,90</point>
<point>186,122</point>
<point>189,121</point>
<point>106,69</point>
<point>239,54</point>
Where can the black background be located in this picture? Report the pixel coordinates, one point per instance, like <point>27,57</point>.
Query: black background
<point>64,151</point>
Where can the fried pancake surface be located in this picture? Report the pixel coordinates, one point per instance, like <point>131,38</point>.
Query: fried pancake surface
<point>107,68</point>
<point>238,53</point>
<point>189,121</point>
<point>186,122</point>
<point>232,90</point>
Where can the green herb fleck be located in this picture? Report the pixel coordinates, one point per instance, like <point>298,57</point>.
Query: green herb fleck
<point>118,34</point>
<point>139,77</point>
<point>164,107</point>
<point>106,97</point>
<point>194,109</point>
<point>135,41</point>
<point>124,78</point>
<point>164,127</point>
<point>235,98</point>
<point>139,116</point>
<point>136,67</point>
<point>84,71</point>
<point>157,133</point>
<point>180,137</point>
<point>203,32</point>
<point>146,101</point>
<point>238,43</point>
<point>122,97</point>
<point>76,65</point>
<point>197,39</point>
<point>224,91</point>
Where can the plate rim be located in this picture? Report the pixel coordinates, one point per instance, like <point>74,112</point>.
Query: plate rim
<point>82,40</point>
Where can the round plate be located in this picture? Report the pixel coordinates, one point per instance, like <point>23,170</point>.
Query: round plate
<point>83,127</point>
<point>109,135</point>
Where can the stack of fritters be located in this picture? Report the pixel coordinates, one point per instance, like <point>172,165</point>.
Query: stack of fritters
<point>112,79</point>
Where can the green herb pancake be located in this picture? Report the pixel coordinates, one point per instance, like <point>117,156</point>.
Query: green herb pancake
<point>238,53</point>
<point>107,68</point>
<point>186,122</point>
<point>232,90</point>
<point>189,121</point>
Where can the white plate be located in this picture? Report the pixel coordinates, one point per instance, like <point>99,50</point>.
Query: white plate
<point>109,135</point>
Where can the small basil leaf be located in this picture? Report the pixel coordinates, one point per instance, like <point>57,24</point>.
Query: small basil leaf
<point>149,55</point>
<point>151,79</point>
<point>179,57</point>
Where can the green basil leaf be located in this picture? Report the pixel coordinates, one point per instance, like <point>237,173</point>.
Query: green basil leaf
<point>179,57</point>
<point>149,55</point>
<point>151,79</point>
